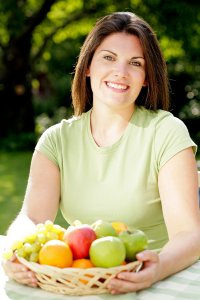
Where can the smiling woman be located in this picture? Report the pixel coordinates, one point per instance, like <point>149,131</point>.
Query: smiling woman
<point>122,156</point>
<point>117,76</point>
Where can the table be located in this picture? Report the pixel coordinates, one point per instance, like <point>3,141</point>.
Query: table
<point>183,285</point>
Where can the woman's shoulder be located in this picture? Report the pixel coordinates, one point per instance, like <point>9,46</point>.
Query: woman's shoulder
<point>71,121</point>
<point>66,124</point>
<point>52,140</point>
<point>159,117</point>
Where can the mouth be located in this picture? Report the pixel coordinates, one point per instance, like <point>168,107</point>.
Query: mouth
<point>117,86</point>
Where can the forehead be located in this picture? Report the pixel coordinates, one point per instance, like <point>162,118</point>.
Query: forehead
<point>121,40</point>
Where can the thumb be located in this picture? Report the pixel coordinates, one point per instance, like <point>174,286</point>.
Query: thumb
<point>13,258</point>
<point>147,255</point>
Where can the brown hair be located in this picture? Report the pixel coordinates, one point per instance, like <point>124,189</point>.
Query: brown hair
<point>155,95</point>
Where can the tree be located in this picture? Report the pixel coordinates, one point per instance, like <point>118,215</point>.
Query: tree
<point>16,105</point>
<point>20,20</point>
<point>43,37</point>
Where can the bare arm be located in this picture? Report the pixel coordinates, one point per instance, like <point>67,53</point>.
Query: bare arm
<point>178,184</point>
<point>42,196</point>
<point>41,203</point>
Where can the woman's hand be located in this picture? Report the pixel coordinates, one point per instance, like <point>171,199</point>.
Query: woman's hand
<point>126,282</point>
<point>18,272</point>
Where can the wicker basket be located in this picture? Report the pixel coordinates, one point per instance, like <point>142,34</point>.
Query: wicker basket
<point>76,281</point>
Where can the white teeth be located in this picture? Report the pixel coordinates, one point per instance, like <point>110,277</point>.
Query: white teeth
<point>117,86</point>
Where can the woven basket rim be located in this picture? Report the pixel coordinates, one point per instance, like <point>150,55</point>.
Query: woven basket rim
<point>76,281</point>
<point>42,267</point>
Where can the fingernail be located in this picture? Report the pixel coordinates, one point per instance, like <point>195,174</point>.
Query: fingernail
<point>140,255</point>
<point>23,269</point>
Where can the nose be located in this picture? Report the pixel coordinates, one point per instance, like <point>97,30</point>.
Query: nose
<point>120,70</point>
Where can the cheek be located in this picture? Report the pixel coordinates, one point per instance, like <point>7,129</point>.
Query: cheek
<point>97,74</point>
<point>93,81</point>
<point>139,77</point>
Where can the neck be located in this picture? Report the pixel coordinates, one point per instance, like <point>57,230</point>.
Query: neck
<point>108,126</point>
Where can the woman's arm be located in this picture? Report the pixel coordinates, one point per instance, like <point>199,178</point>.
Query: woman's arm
<point>42,196</point>
<point>43,191</point>
<point>178,187</point>
<point>41,203</point>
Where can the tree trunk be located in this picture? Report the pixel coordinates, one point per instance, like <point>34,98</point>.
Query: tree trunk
<point>15,77</point>
<point>16,97</point>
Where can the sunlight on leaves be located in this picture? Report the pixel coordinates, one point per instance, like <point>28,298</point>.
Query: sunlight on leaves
<point>61,10</point>
<point>73,31</point>
<point>171,48</point>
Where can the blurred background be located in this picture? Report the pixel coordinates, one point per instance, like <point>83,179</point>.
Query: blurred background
<point>39,44</point>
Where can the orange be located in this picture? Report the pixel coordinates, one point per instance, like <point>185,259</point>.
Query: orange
<point>119,226</point>
<point>56,253</point>
<point>84,280</point>
<point>82,263</point>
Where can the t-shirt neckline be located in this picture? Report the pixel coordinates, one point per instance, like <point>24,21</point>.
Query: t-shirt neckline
<point>114,145</point>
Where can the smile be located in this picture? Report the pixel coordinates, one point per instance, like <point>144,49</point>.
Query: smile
<point>118,86</point>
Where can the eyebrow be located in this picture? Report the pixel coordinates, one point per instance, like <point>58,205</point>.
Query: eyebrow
<point>134,57</point>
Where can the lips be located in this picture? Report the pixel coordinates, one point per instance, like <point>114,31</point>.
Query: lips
<point>117,86</point>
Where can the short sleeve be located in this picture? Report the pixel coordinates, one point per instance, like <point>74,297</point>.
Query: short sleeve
<point>171,137</point>
<point>48,144</point>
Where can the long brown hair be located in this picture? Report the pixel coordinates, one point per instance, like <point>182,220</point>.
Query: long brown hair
<point>155,95</point>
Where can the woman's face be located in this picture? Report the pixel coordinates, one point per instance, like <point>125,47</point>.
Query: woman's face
<point>117,71</point>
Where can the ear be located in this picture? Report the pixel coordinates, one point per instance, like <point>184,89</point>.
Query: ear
<point>88,72</point>
<point>145,83</point>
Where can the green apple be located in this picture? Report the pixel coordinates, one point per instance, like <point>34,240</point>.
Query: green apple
<point>134,241</point>
<point>107,252</point>
<point>103,228</point>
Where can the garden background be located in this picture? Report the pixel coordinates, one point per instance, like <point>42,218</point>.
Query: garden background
<point>39,44</point>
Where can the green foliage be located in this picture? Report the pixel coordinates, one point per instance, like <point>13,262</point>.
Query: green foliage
<point>14,169</point>
<point>192,109</point>
<point>22,141</point>
<point>57,37</point>
<point>43,121</point>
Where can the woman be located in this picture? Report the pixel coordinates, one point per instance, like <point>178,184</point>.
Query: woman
<point>121,157</point>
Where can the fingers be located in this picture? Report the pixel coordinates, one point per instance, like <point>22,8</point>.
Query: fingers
<point>24,277</point>
<point>117,286</point>
<point>13,258</point>
<point>19,273</point>
<point>131,281</point>
<point>27,278</point>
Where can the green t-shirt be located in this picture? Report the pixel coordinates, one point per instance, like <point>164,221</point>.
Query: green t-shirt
<point>118,182</point>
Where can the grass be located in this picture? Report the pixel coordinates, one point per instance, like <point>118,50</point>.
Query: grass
<point>14,169</point>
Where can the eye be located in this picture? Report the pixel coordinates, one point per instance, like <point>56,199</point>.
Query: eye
<point>108,57</point>
<point>135,63</point>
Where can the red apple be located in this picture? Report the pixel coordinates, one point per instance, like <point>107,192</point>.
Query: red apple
<point>79,238</point>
